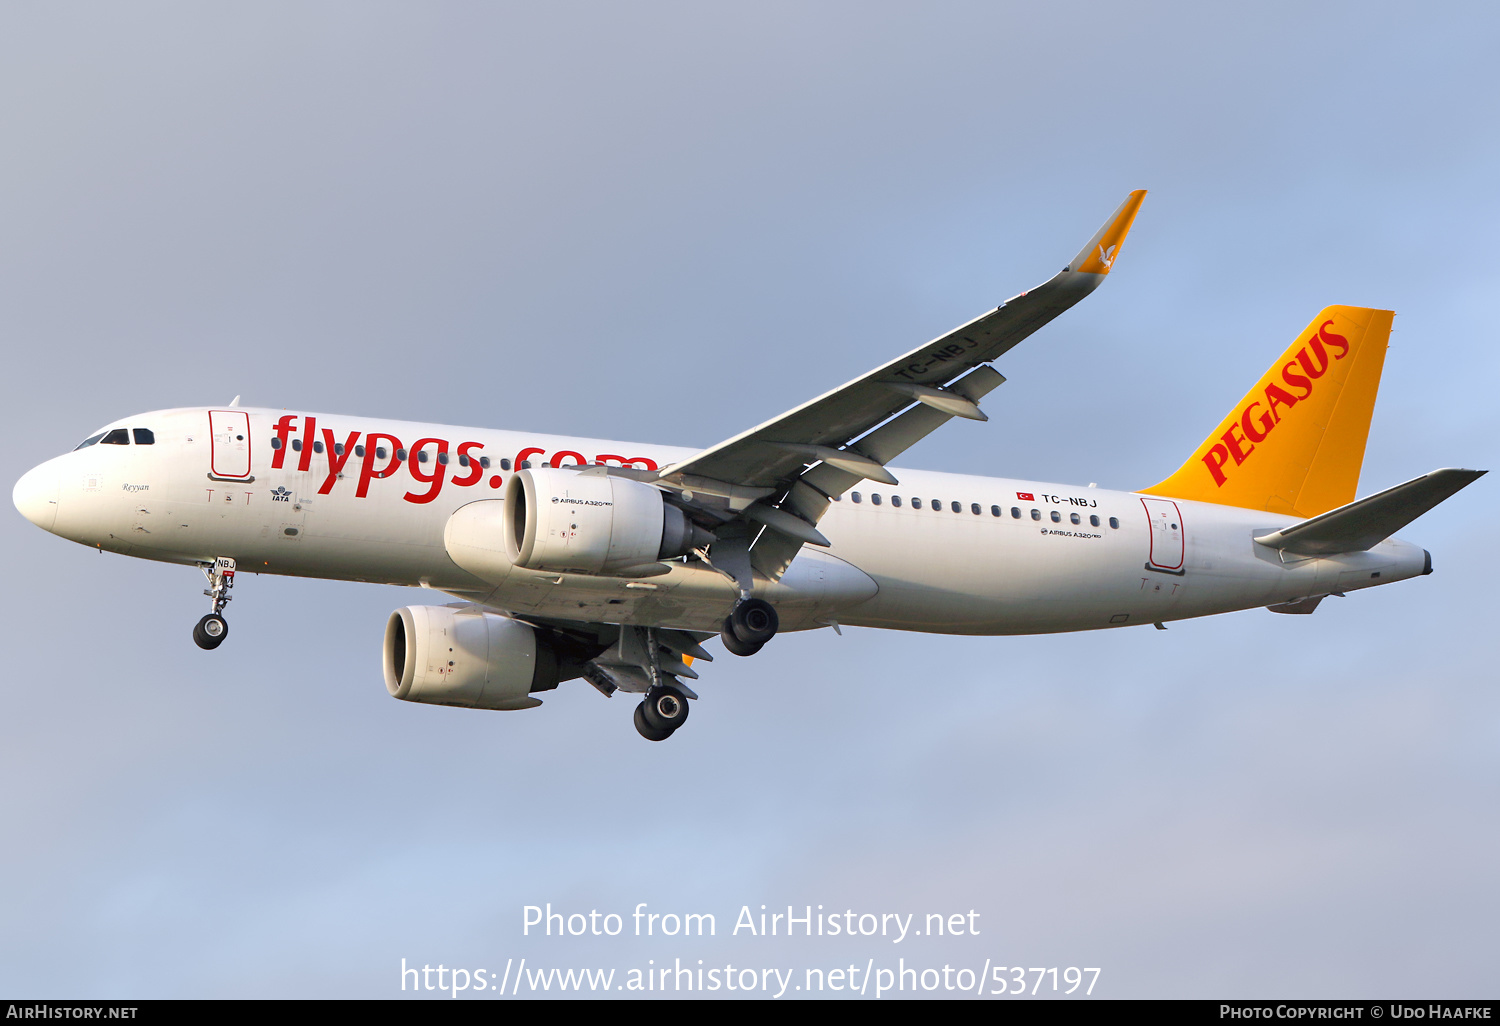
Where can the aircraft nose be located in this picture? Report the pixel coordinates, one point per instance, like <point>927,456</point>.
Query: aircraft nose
<point>35,495</point>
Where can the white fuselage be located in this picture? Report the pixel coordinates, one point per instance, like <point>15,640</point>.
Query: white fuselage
<point>1043,564</point>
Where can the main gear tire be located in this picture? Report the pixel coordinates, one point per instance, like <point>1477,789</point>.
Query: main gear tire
<point>734,644</point>
<point>665,708</point>
<point>647,731</point>
<point>754,622</point>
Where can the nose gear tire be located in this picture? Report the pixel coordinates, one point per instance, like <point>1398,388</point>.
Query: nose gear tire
<point>210,632</point>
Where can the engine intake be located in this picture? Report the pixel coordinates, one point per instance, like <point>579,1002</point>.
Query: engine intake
<point>559,519</point>
<point>444,656</point>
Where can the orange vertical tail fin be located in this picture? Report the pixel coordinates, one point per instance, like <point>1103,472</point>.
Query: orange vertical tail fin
<point>1296,442</point>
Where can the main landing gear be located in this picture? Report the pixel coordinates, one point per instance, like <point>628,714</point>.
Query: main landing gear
<point>664,710</point>
<point>210,632</point>
<point>752,623</point>
<point>749,627</point>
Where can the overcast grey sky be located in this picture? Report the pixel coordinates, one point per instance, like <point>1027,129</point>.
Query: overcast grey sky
<point>667,222</point>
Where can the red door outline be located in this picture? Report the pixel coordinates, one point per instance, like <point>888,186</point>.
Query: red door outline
<point>1165,521</point>
<point>229,443</point>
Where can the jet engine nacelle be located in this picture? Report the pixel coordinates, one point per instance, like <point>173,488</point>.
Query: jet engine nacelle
<point>558,519</point>
<point>445,656</point>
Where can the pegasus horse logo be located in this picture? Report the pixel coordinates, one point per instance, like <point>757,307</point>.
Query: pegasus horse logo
<point>1107,256</point>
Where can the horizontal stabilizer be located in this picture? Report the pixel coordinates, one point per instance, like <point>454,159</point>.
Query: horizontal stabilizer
<point>1367,522</point>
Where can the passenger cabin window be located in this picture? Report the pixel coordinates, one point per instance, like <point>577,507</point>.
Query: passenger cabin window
<point>1094,521</point>
<point>994,511</point>
<point>504,464</point>
<point>916,503</point>
<point>443,459</point>
<point>318,448</point>
<point>1036,514</point>
<point>1015,513</point>
<point>143,436</point>
<point>856,497</point>
<point>338,448</point>
<point>525,464</point>
<point>1075,518</point>
<point>875,498</point>
<point>896,501</point>
<point>958,507</point>
<point>380,452</point>
<point>484,461</point>
<point>1113,522</point>
<point>296,445</point>
<point>119,436</point>
<point>974,508</point>
<point>359,451</point>
<point>400,454</point>
<point>91,440</point>
<point>463,461</point>
<point>1056,517</point>
<point>421,455</point>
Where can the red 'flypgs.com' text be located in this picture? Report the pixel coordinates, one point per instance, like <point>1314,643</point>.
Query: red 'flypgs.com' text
<point>380,455</point>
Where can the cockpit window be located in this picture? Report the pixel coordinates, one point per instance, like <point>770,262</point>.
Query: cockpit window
<point>90,440</point>
<point>143,436</point>
<point>119,436</point>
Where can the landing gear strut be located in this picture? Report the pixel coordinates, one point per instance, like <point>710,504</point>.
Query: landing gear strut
<point>749,627</point>
<point>210,632</point>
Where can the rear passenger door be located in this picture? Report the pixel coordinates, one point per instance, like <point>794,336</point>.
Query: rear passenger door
<point>1166,535</point>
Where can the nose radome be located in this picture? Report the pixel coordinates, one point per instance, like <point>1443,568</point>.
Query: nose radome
<point>35,495</point>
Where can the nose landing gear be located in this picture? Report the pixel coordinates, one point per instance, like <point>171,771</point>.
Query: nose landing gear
<point>210,632</point>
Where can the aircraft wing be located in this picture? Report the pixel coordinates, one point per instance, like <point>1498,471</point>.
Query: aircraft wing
<point>837,418</point>
<point>780,476</point>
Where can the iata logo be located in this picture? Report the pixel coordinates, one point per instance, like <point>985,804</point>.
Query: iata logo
<point>1238,443</point>
<point>280,494</point>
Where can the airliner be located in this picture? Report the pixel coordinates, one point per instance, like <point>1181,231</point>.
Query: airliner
<point>616,562</point>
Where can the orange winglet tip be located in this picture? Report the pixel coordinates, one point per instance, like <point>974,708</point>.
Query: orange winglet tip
<point>1102,251</point>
